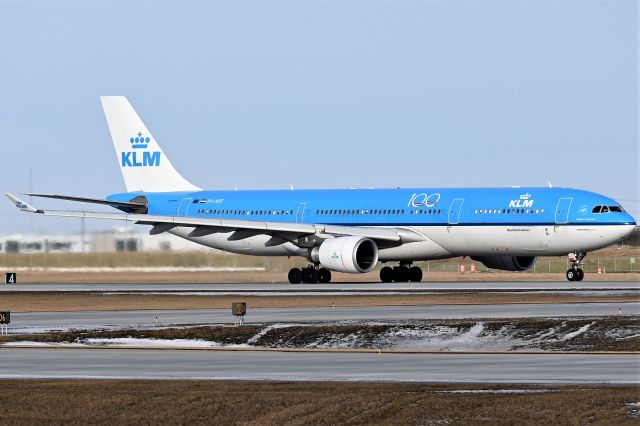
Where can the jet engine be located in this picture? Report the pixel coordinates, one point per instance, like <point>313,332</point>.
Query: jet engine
<point>507,263</point>
<point>355,255</point>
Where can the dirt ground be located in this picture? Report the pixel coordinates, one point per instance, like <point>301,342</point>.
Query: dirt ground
<point>27,402</point>
<point>48,277</point>
<point>603,334</point>
<point>69,302</point>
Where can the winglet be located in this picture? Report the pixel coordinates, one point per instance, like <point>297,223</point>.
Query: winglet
<point>21,205</point>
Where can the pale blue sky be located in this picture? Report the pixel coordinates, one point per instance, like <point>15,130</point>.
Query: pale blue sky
<point>263,94</point>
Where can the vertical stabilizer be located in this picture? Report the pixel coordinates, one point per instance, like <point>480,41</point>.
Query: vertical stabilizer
<point>143,164</point>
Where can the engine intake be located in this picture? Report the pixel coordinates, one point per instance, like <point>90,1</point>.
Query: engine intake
<point>354,255</point>
<point>507,263</point>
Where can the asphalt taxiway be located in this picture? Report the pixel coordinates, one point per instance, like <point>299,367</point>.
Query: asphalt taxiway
<point>355,288</point>
<point>335,289</point>
<point>46,363</point>
<point>42,321</point>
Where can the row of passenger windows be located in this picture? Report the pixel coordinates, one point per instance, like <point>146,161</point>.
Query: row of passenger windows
<point>374,211</point>
<point>604,209</point>
<point>508,211</point>
<point>607,209</point>
<point>247,212</point>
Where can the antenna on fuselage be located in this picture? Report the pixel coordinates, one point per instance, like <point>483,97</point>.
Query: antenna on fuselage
<point>291,186</point>
<point>550,186</point>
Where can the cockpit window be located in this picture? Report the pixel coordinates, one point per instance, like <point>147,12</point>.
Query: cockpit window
<point>607,209</point>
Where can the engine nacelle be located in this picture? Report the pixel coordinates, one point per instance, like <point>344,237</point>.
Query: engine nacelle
<point>507,263</point>
<point>355,255</point>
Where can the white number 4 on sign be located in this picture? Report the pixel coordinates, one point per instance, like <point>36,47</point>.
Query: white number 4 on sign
<point>10,278</point>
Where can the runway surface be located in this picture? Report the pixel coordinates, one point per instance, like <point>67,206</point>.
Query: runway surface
<point>335,288</point>
<point>42,321</point>
<point>259,365</point>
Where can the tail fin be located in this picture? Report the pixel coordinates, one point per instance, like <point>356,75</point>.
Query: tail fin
<point>143,165</point>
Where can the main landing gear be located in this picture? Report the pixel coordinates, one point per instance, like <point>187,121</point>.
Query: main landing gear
<point>575,273</point>
<point>401,274</point>
<point>310,275</point>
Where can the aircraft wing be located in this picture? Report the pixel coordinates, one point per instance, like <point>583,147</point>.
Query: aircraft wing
<point>205,226</point>
<point>127,204</point>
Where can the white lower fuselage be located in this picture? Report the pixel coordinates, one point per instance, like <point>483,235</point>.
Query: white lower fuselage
<point>447,241</point>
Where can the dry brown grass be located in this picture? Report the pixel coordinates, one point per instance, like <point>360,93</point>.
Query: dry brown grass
<point>257,403</point>
<point>73,302</point>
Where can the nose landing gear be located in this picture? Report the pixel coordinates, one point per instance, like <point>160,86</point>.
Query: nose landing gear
<point>575,273</point>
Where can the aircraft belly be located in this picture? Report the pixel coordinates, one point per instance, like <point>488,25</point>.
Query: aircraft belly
<point>490,240</point>
<point>467,240</point>
<point>543,240</point>
<point>420,250</point>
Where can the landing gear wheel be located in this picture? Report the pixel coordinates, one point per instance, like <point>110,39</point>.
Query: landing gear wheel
<point>401,274</point>
<point>415,274</point>
<point>309,276</point>
<point>575,273</point>
<point>324,275</point>
<point>386,274</point>
<point>295,276</point>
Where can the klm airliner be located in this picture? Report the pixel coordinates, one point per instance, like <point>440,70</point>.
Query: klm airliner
<point>351,230</point>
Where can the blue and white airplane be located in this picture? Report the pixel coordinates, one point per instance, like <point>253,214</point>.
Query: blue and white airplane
<point>351,230</point>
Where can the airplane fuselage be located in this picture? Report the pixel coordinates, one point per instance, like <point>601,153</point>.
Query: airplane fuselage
<point>452,221</point>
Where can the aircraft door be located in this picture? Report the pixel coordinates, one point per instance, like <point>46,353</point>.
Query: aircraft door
<point>183,208</point>
<point>300,212</point>
<point>454,211</point>
<point>562,210</point>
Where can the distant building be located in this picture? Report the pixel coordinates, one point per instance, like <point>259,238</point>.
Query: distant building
<point>119,239</point>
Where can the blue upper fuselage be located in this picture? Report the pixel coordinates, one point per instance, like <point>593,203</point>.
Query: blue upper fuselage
<point>394,207</point>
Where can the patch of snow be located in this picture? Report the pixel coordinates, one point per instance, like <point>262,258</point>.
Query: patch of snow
<point>270,327</point>
<point>26,343</point>
<point>450,338</point>
<point>579,331</point>
<point>132,341</point>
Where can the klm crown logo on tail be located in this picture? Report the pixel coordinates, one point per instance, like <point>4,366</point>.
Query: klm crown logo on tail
<point>132,158</point>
